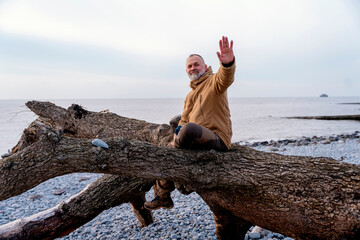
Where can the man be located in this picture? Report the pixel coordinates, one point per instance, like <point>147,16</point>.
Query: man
<point>205,122</point>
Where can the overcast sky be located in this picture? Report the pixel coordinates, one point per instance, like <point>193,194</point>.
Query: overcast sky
<point>137,49</point>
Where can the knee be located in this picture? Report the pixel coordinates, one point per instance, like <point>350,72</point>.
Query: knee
<point>190,130</point>
<point>187,135</point>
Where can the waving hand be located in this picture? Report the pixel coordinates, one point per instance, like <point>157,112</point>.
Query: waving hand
<point>226,54</point>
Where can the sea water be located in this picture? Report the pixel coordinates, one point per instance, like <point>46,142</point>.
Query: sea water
<point>253,119</point>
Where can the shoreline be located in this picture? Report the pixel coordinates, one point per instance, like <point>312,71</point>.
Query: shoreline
<point>303,141</point>
<point>331,118</point>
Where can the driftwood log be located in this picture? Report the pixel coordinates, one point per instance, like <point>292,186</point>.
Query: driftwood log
<point>301,197</point>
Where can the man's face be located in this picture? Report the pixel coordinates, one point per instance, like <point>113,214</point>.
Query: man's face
<point>195,67</point>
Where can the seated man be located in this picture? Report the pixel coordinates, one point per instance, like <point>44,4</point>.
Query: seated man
<point>205,121</point>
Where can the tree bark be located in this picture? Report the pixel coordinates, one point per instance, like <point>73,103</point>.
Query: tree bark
<point>302,197</point>
<point>106,192</point>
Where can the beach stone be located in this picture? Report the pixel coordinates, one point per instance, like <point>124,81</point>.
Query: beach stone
<point>174,236</point>
<point>84,178</point>
<point>332,138</point>
<point>36,196</point>
<point>278,235</point>
<point>100,143</point>
<point>255,235</point>
<point>273,149</point>
<point>326,141</point>
<point>59,192</point>
<point>270,235</point>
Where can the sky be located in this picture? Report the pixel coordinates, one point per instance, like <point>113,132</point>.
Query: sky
<point>65,49</point>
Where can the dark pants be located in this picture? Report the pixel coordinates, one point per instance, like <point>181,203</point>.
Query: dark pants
<point>194,136</point>
<point>191,136</point>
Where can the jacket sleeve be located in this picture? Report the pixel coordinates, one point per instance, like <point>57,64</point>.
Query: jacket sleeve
<point>224,78</point>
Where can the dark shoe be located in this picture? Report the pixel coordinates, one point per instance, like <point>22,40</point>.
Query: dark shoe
<point>157,203</point>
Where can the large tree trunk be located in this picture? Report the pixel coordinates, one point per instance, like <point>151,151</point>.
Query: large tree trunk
<point>302,197</point>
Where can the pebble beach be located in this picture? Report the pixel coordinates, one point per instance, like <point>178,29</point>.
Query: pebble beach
<point>191,218</point>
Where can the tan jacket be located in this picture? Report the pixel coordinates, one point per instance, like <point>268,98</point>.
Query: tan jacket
<point>207,103</point>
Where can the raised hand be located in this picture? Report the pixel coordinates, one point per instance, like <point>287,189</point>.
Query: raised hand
<point>226,54</point>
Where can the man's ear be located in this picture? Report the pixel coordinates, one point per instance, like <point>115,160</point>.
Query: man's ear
<point>205,67</point>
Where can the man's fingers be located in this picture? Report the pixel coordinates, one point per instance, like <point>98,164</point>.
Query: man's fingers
<point>231,44</point>
<point>224,43</point>
<point>218,54</point>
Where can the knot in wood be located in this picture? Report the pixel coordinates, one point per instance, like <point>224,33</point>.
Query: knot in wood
<point>77,111</point>
<point>54,136</point>
<point>8,164</point>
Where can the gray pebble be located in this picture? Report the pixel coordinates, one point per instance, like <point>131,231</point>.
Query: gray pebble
<point>254,235</point>
<point>59,192</point>
<point>100,143</point>
<point>35,196</point>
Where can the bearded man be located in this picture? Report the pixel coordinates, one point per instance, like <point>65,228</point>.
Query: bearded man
<point>205,121</point>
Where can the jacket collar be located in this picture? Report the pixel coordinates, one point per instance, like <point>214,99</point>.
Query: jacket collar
<point>195,83</point>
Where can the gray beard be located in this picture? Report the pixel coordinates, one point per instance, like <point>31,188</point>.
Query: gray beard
<point>196,76</point>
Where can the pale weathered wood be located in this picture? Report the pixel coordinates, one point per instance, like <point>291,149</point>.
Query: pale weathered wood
<point>106,192</point>
<point>302,197</point>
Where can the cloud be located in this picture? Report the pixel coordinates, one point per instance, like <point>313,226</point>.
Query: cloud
<point>76,85</point>
<point>307,44</point>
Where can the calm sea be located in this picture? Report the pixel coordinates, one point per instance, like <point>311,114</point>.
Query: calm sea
<point>253,119</point>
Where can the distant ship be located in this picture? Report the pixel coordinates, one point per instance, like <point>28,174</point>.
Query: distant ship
<point>324,95</point>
